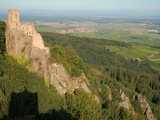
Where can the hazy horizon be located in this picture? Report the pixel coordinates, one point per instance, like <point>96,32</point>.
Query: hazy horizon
<point>139,5</point>
<point>82,13</point>
<point>81,8</point>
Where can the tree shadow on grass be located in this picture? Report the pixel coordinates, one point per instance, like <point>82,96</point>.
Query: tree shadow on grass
<point>24,106</point>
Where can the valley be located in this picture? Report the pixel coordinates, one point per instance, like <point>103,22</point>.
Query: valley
<point>119,65</point>
<point>142,42</point>
<point>116,60</point>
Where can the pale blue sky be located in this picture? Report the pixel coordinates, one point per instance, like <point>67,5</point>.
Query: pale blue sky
<point>139,5</point>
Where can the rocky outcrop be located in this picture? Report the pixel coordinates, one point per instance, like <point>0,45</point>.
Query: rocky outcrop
<point>146,109</point>
<point>126,103</point>
<point>23,39</point>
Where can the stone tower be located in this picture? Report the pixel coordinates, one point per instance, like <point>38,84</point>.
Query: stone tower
<point>13,19</point>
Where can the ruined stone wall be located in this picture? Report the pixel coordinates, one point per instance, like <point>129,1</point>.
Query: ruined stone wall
<point>13,19</point>
<point>23,39</point>
<point>28,29</point>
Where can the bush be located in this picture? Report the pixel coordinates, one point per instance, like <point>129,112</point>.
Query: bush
<point>67,57</point>
<point>83,106</point>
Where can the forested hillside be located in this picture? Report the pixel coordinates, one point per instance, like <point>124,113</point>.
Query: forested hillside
<point>109,74</point>
<point>16,78</point>
<point>106,68</point>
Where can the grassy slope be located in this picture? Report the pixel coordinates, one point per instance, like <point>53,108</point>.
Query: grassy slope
<point>15,78</point>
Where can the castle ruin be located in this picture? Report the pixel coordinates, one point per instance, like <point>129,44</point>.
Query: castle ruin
<point>24,40</point>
